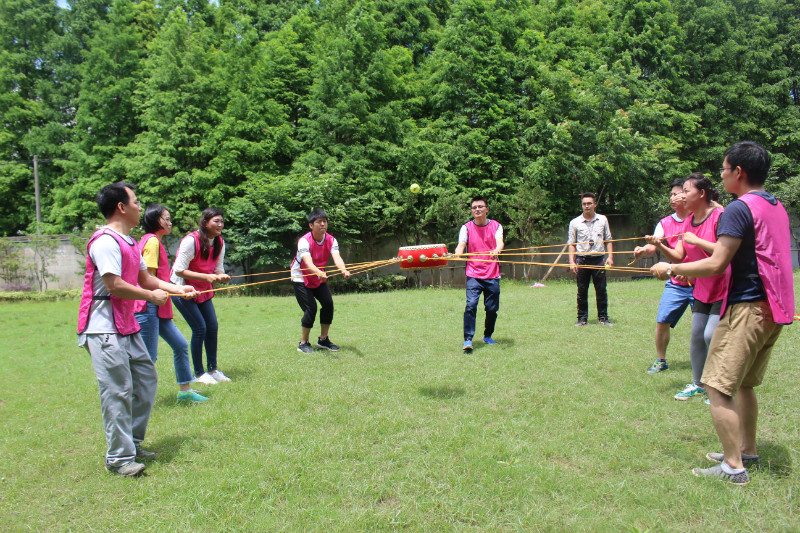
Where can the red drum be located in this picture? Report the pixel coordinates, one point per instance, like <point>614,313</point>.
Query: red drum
<point>422,257</point>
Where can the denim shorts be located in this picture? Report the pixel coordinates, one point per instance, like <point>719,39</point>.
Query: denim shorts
<point>674,301</point>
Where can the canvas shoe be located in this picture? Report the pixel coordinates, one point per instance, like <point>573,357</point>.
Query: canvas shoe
<point>219,376</point>
<point>327,344</point>
<point>207,379</point>
<point>490,341</point>
<point>467,346</point>
<point>141,453</point>
<point>690,391</point>
<point>659,366</point>
<point>305,347</point>
<point>716,471</point>
<point>131,469</point>
<point>747,460</point>
<point>191,396</point>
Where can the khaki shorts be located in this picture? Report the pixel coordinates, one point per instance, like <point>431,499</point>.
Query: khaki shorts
<point>741,347</point>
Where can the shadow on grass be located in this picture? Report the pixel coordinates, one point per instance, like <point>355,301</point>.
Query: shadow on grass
<point>443,392</point>
<point>775,460</point>
<point>167,448</point>
<point>356,351</point>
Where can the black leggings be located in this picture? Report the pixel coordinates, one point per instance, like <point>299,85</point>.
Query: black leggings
<point>307,297</point>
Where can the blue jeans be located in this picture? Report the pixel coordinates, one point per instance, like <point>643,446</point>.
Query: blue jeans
<point>152,327</point>
<point>491,304</point>
<point>203,320</point>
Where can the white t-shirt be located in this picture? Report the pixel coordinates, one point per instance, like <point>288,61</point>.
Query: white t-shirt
<point>107,257</point>
<point>304,248</point>
<point>185,256</point>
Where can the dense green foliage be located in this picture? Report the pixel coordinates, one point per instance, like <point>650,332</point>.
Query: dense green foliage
<point>267,108</point>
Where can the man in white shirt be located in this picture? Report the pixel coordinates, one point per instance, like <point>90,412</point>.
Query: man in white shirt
<point>589,237</point>
<point>126,376</point>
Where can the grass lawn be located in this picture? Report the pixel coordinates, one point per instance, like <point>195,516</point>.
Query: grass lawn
<point>555,429</point>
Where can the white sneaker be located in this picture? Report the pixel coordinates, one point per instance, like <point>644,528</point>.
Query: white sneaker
<point>207,379</point>
<point>219,376</point>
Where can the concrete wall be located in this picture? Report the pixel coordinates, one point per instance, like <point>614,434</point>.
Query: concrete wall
<point>65,262</point>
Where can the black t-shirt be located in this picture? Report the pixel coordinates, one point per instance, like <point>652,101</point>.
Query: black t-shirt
<point>737,222</point>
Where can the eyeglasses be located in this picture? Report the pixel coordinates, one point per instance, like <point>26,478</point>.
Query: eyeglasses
<point>723,169</point>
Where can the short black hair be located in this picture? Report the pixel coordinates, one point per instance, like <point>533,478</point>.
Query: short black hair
<point>752,157</point>
<point>151,220</point>
<point>479,199</point>
<point>315,214</point>
<point>588,195</point>
<point>111,195</point>
<point>677,182</point>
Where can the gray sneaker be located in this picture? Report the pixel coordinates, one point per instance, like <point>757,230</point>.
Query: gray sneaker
<point>131,469</point>
<point>747,460</point>
<point>305,347</point>
<point>141,453</point>
<point>716,471</point>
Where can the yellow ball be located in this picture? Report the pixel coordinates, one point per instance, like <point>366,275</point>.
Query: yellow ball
<point>608,266</point>
<point>415,188</point>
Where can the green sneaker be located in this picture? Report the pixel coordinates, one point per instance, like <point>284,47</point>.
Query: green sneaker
<point>191,396</point>
<point>740,478</point>
<point>659,366</point>
<point>690,391</point>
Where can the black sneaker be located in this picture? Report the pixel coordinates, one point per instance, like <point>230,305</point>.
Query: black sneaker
<point>305,347</point>
<point>141,453</point>
<point>605,322</point>
<point>327,344</point>
<point>580,323</point>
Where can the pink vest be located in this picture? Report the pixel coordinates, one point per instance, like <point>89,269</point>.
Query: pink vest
<point>482,239</point>
<point>162,273</point>
<point>672,232</point>
<point>320,253</point>
<point>124,321</point>
<point>773,254</point>
<point>714,288</point>
<point>204,266</point>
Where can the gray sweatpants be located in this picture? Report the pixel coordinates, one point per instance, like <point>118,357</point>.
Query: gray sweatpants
<point>127,380</point>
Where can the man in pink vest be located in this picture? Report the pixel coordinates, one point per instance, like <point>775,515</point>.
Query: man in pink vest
<point>482,238</point>
<point>677,295</point>
<point>107,328</point>
<point>309,279</point>
<point>754,239</point>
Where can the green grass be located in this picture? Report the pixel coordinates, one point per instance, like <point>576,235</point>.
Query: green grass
<point>555,429</point>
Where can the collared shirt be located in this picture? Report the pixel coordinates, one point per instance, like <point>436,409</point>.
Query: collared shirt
<point>588,235</point>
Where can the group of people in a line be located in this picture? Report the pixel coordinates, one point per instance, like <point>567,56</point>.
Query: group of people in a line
<point>126,305</point>
<point>733,267</point>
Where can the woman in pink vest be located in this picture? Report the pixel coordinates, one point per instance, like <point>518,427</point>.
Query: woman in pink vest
<point>200,262</point>
<point>698,243</point>
<point>154,319</point>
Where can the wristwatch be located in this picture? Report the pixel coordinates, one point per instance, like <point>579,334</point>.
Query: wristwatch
<point>669,271</point>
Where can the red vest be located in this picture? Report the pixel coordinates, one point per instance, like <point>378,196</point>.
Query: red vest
<point>713,288</point>
<point>124,321</point>
<point>320,253</point>
<point>204,266</point>
<point>773,254</point>
<point>162,273</point>
<point>482,239</point>
<point>672,232</point>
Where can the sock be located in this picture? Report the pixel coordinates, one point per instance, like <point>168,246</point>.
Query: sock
<point>730,470</point>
